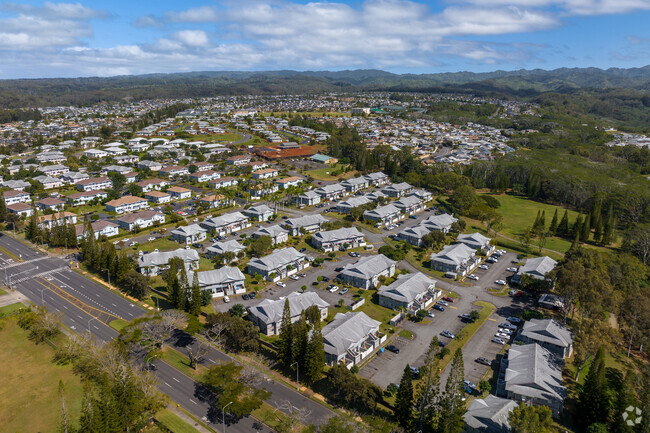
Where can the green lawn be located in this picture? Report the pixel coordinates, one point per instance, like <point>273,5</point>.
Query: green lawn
<point>8,309</point>
<point>29,396</point>
<point>2,292</point>
<point>173,422</point>
<point>326,173</point>
<point>118,324</point>
<point>161,244</point>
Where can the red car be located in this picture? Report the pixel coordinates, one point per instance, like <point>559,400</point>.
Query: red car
<point>448,299</point>
<point>519,294</point>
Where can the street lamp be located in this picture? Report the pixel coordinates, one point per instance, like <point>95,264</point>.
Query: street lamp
<point>150,360</point>
<point>223,416</point>
<point>42,291</point>
<point>297,381</point>
<point>91,319</point>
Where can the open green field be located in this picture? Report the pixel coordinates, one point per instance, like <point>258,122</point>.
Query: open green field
<point>325,173</point>
<point>29,397</point>
<point>2,292</point>
<point>173,422</point>
<point>8,309</point>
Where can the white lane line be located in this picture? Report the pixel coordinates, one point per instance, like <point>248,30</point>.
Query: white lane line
<point>113,305</point>
<point>193,401</point>
<point>168,384</point>
<point>176,380</point>
<point>95,327</point>
<point>65,307</point>
<point>212,361</point>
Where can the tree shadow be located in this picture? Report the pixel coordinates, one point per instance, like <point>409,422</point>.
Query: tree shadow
<point>181,338</point>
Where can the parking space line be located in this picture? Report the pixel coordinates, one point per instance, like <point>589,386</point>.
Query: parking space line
<point>494,320</point>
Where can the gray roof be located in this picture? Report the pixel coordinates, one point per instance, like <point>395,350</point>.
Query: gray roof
<point>398,187</point>
<point>439,222</point>
<point>309,194</point>
<point>270,310</point>
<point>368,267</point>
<point>258,210</point>
<point>276,259</point>
<point>223,275</point>
<point>189,230</point>
<point>490,414</point>
<point>16,184</point>
<point>547,331</point>
<point>382,211</point>
<point>306,220</point>
<point>224,219</point>
<point>416,231</point>
<point>338,234</point>
<point>411,200</point>
<point>355,181</point>
<point>421,193</point>
<point>354,202</point>
<point>375,176</point>
<point>222,247</point>
<point>473,238</point>
<point>347,330</point>
<point>331,188</point>
<point>534,372</point>
<point>272,231</point>
<point>454,254</point>
<point>537,267</point>
<point>159,258</point>
<point>407,287</point>
<point>375,195</point>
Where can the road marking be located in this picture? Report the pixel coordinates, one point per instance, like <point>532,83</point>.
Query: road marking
<point>451,306</point>
<point>494,320</point>
<point>176,380</point>
<point>113,305</point>
<point>65,307</point>
<point>212,361</point>
<point>193,401</point>
<point>168,384</point>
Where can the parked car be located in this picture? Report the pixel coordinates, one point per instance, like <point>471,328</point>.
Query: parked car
<point>511,269</point>
<point>508,326</point>
<point>280,284</point>
<point>502,335</point>
<point>468,383</point>
<point>343,291</point>
<point>502,252</point>
<point>512,292</point>
<point>438,307</point>
<point>505,331</point>
<point>501,282</point>
<point>151,238</point>
<point>484,267</point>
<point>245,297</point>
<point>491,260</point>
<point>469,390</point>
<point>302,250</point>
<point>431,314</point>
<point>326,279</point>
<point>197,245</point>
<point>226,299</point>
<point>353,254</point>
<point>332,288</point>
<point>252,295</point>
<point>443,303</point>
<point>519,294</point>
<point>294,277</point>
<point>413,217</point>
<point>447,334</point>
<point>472,277</point>
<point>464,317</point>
<point>415,372</point>
<point>514,320</point>
<point>448,299</point>
<point>339,269</point>
<point>498,341</point>
<point>392,348</point>
<point>483,361</point>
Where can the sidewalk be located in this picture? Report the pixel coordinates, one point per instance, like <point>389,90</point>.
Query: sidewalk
<point>13,297</point>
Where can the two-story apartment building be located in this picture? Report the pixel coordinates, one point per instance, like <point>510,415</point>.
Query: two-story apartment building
<point>100,228</point>
<point>279,264</point>
<point>152,264</point>
<point>409,292</point>
<point>307,223</point>
<point>277,234</point>
<point>377,179</point>
<point>226,223</point>
<point>127,203</point>
<point>409,205</point>
<point>142,219</point>
<point>227,280</point>
<point>384,215</point>
<point>338,240</point>
<point>458,258</point>
<point>287,182</point>
<point>350,338</point>
<point>189,234</point>
<point>366,272</point>
<point>267,315</point>
<point>204,176</point>
<point>332,191</point>
<point>13,197</point>
<point>152,185</point>
<point>355,184</point>
<point>266,173</point>
<point>172,171</point>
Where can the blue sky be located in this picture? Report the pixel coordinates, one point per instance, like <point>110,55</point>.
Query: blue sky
<point>103,38</point>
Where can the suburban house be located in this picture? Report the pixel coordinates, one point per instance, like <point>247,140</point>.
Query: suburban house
<point>409,292</point>
<point>215,200</point>
<point>20,209</point>
<point>488,415</point>
<point>72,177</point>
<point>264,174</point>
<point>141,220</point>
<point>47,222</point>
<point>151,165</point>
<point>179,193</point>
<point>549,334</point>
<point>219,248</point>
<point>226,223</point>
<point>413,235</point>
<point>458,258</point>
<point>223,182</point>
<point>95,153</point>
<point>100,228</point>
<point>332,191</point>
<point>262,190</point>
<point>83,198</point>
<point>286,182</point>
<point>355,184</point>
<point>409,205</point>
<point>189,234</point>
<point>18,185</point>
<point>338,240</point>
<point>422,194</point>
<point>172,171</point>
<point>366,272</point>
<point>158,197</point>
<point>259,213</point>
<point>307,223</point>
<point>536,268</point>
<point>127,203</point>
<point>152,264</point>
<point>442,222</point>
<point>227,280</point>
<point>345,206</point>
<point>279,264</point>
<point>95,184</point>
<point>204,176</point>
<point>238,160</point>
<point>324,159</point>
<point>277,234</point>
<point>476,241</point>
<point>50,203</point>
<point>267,315</point>
<point>397,190</point>
<point>377,179</point>
<point>531,374</point>
<point>383,215</point>
<point>376,195</point>
<point>13,197</point>
<point>54,170</point>
<point>49,182</point>
<point>350,338</point>
<point>308,198</point>
<point>152,184</point>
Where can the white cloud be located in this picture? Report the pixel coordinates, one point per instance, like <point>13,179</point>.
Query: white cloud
<point>202,14</point>
<point>571,7</point>
<point>192,38</point>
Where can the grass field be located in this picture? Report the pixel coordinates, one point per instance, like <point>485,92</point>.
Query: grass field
<point>325,173</point>
<point>29,398</point>
<point>2,292</point>
<point>173,422</point>
<point>8,309</point>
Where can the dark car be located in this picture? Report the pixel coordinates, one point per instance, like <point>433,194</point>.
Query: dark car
<point>448,299</point>
<point>514,320</point>
<point>339,269</point>
<point>392,348</point>
<point>245,297</point>
<point>483,361</point>
<point>285,217</point>
<point>252,295</point>
<point>442,343</point>
<point>415,372</point>
<point>325,278</point>
<point>438,307</point>
<point>302,250</point>
<point>197,245</point>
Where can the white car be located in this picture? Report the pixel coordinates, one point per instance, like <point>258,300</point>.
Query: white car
<point>294,277</point>
<point>501,282</point>
<point>280,284</point>
<point>484,267</point>
<point>502,335</point>
<point>333,289</point>
<point>132,244</point>
<point>226,299</point>
<point>472,277</point>
<point>511,269</point>
<point>498,341</point>
<point>505,331</point>
<point>502,252</point>
<point>431,314</point>
<point>151,239</point>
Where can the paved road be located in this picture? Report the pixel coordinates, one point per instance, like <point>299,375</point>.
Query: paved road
<point>86,306</point>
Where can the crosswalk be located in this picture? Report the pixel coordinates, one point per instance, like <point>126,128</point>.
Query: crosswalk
<point>41,274</point>
<point>14,264</point>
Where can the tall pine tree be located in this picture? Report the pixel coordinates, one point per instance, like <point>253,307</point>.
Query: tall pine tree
<point>315,356</point>
<point>585,229</point>
<point>554,222</point>
<point>285,341</point>
<point>3,209</point>
<point>300,341</point>
<point>594,400</point>
<point>194,307</point>
<point>452,406</point>
<point>174,293</point>
<point>404,400</point>
<point>563,226</point>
